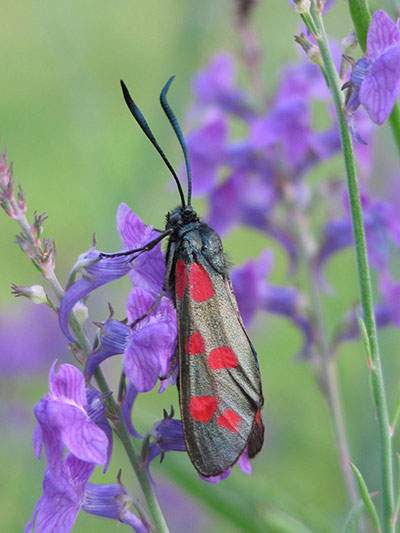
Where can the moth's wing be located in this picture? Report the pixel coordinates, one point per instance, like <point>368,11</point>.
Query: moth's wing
<point>220,388</point>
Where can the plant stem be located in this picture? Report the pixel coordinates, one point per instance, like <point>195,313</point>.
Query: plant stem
<point>324,364</point>
<point>113,407</point>
<point>361,15</point>
<point>363,276</point>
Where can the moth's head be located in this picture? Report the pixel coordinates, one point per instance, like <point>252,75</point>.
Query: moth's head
<point>181,216</point>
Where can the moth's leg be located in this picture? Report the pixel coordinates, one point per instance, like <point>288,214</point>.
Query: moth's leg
<point>170,262</point>
<point>146,248</point>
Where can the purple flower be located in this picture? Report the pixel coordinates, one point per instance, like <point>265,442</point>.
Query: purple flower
<point>66,493</point>
<point>167,436</point>
<point>289,124</point>
<point>66,418</point>
<point>215,86</point>
<point>382,228</point>
<point>147,269</point>
<point>148,345</point>
<point>207,151</point>
<point>253,294</point>
<point>375,78</point>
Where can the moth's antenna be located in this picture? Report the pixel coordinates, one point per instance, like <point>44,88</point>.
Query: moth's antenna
<point>178,132</point>
<point>137,114</point>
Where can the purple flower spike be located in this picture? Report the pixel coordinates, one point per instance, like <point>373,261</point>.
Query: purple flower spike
<point>152,341</point>
<point>63,420</point>
<point>148,269</point>
<point>65,494</point>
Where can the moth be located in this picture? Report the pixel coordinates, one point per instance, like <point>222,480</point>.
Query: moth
<point>220,392</point>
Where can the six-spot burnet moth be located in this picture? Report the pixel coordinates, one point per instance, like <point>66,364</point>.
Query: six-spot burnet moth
<point>219,383</point>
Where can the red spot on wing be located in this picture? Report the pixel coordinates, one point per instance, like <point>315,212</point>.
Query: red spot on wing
<point>180,279</point>
<point>222,357</point>
<point>195,346</point>
<point>258,418</point>
<point>229,420</point>
<point>201,287</point>
<point>203,408</point>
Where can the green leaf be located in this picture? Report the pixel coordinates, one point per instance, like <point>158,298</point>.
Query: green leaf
<point>353,518</point>
<point>369,504</point>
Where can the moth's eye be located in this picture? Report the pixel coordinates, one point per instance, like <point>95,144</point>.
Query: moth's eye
<point>175,218</point>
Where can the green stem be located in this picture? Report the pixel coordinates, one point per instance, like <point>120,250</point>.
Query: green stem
<point>113,407</point>
<point>363,276</point>
<point>361,15</point>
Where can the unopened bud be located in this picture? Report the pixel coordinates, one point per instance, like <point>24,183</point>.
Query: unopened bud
<point>81,312</point>
<point>5,172</point>
<point>25,245</point>
<point>302,6</point>
<point>48,258</point>
<point>312,51</point>
<point>36,228</point>
<point>21,199</point>
<point>35,293</point>
<point>349,42</point>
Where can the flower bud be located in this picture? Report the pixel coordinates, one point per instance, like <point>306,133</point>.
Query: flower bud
<point>81,312</point>
<point>35,293</point>
<point>312,51</point>
<point>302,6</point>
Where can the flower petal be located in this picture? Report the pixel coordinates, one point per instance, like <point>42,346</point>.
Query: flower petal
<point>148,269</point>
<point>383,33</point>
<point>103,271</point>
<point>379,89</point>
<point>127,406</point>
<point>113,339</point>
<point>68,384</point>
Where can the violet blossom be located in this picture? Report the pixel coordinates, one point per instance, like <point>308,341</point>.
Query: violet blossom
<point>374,82</point>
<point>66,493</point>
<point>148,345</point>
<point>71,416</point>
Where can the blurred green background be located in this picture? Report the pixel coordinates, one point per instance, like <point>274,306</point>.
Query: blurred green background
<point>78,154</point>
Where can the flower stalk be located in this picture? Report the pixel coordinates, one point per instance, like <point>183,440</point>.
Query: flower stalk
<point>35,252</point>
<point>363,275</point>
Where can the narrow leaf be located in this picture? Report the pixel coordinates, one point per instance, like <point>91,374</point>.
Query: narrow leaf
<point>396,416</point>
<point>365,338</point>
<point>362,486</point>
<point>397,501</point>
<point>353,518</point>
